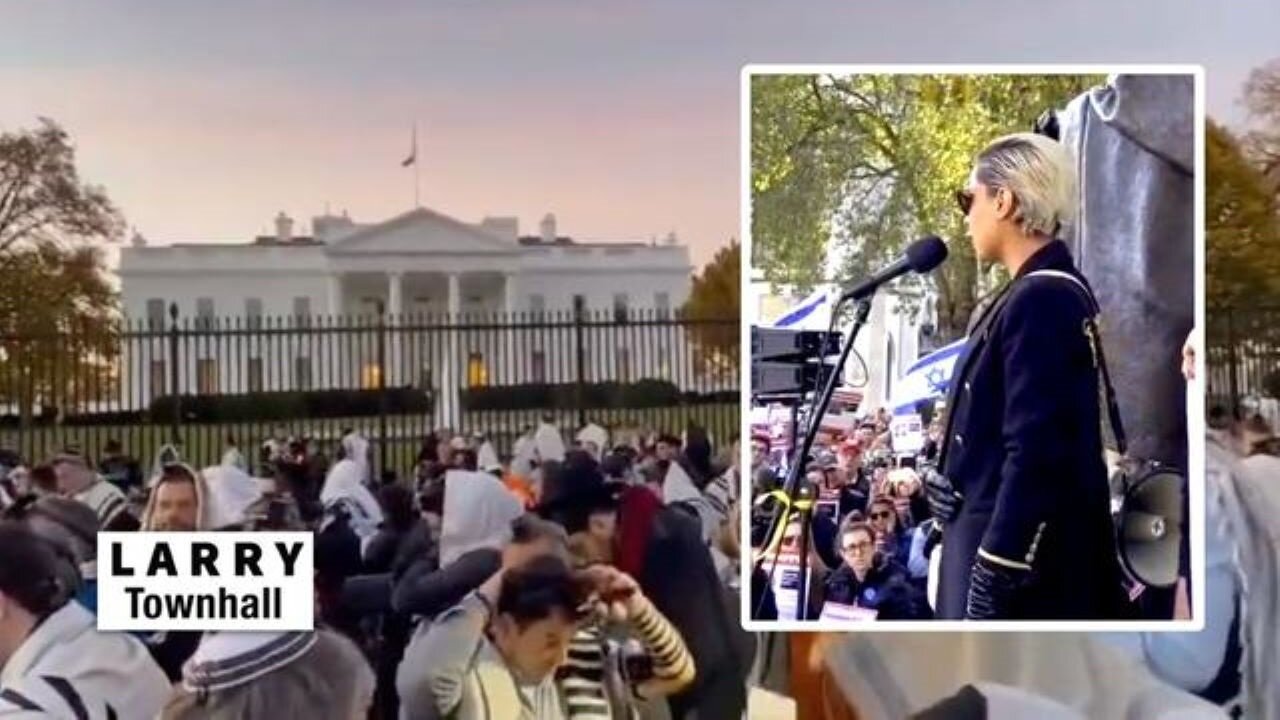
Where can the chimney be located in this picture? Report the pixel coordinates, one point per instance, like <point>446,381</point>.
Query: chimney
<point>284,228</point>
<point>549,229</point>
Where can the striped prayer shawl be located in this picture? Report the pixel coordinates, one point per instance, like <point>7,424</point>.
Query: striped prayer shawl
<point>594,681</point>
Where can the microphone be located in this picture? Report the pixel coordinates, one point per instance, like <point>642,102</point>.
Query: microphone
<point>920,256</point>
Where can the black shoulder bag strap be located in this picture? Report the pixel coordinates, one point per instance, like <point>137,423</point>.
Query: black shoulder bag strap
<point>1106,390</point>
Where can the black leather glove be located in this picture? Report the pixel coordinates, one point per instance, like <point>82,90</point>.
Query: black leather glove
<point>944,501</point>
<point>993,589</point>
<point>932,536</point>
<point>1047,125</point>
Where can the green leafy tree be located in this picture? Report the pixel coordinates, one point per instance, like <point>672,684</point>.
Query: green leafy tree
<point>870,162</point>
<point>712,313</point>
<point>58,311</point>
<point>1243,233</point>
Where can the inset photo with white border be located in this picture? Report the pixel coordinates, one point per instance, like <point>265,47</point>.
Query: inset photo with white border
<point>969,298</point>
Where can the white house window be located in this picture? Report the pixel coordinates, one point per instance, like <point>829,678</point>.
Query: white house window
<point>302,311</point>
<point>253,375</point>
<point>207,376</point>
<point>204,313</point>
<point>158,379</point>
<point>302,373</point>
<point>624,365</point>
<point>538,366</point>
<point>537,304</point>
<point>477,372</point>
<point>579,303</point>
<point>155,313</point>
<point>662,303</point>
<point>620,307</point>
<point>253,312</point>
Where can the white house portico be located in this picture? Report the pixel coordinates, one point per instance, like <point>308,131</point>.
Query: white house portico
<point>419,267</point>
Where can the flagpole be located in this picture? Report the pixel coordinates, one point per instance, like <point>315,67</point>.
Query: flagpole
<point>417,203</point>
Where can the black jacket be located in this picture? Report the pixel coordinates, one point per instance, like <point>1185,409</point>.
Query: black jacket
<point>885,589</point>
<point>1024,447</point>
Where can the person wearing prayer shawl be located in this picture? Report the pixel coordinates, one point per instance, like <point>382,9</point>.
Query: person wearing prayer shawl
<point>594,439</point>
<point>548,442</point>
<point>53,661</point>
<point>345,491</point>
<point>319,675</point>
<point>487,457</point>
<point>356,448</point>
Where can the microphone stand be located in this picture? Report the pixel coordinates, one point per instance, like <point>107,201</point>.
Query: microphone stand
<point>862,311</point>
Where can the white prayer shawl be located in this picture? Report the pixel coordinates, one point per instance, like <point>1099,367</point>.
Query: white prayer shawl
<point>229,491</point>
<point>108,674</point>
<point>357,448</point>
<point>225,660</point>
<point>487,458</point>
<point>548,443</point>
<point>596,436</point>
<point>478,510</point>
<point>885,679</point>
<point>343,487</point>
<point>523,456</point>
<point>166,455</point>
<point>235,459</point>
<point>1251,499</point>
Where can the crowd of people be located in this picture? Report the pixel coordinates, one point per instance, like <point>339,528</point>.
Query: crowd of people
<point>872,529</point>
<point>594,578</point>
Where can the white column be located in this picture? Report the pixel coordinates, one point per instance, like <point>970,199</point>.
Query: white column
<point>395,310</point>
<point>335,294</point>
<point>509,294</point>
<point>447,405</point>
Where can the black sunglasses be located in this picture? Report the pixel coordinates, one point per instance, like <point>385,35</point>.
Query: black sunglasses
<point>879,515</point>
<point>964,198</point>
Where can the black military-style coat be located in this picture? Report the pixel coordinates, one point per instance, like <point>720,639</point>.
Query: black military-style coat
<point>1023,445</point>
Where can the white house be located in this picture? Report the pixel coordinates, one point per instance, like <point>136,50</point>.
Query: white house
<point>419,265</point>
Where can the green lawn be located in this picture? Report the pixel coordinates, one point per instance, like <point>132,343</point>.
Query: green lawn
<point>203,443</point>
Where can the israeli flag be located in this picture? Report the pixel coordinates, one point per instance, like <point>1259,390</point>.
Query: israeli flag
<point>812,313</point>
<point>929,377</point>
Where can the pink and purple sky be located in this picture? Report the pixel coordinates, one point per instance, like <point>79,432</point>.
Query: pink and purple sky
<point>203,120</point>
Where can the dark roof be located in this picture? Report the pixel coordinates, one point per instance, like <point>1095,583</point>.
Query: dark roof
<point>273,240</point>
<point>537,240</point>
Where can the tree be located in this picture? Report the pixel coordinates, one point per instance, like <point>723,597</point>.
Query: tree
<point>58,312</point>
<point>1241,225</point>
<point>712,313</point>
<point>1262,99</point>
<point>41,197</point>
<point>870,162</point>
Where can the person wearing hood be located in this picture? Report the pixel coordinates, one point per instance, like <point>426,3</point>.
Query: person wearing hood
<point>547,441</point>
<point>477,513</point>
<point>345,491</point>
<point>78,481</point>
<point>594,439</point>
<point>182,500</point>
<point>53,661</point>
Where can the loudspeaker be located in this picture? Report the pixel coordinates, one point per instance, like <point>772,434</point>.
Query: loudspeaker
<point>1149,525</point>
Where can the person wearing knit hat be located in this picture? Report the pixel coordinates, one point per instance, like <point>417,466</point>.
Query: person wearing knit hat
<point>53,661</point>
<point>318,675</point>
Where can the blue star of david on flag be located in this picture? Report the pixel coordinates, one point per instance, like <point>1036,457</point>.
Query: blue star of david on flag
<point>927,378</point>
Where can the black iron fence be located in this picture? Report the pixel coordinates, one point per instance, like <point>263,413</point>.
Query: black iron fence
<point>201,383</point>
<point>1243,355</point>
